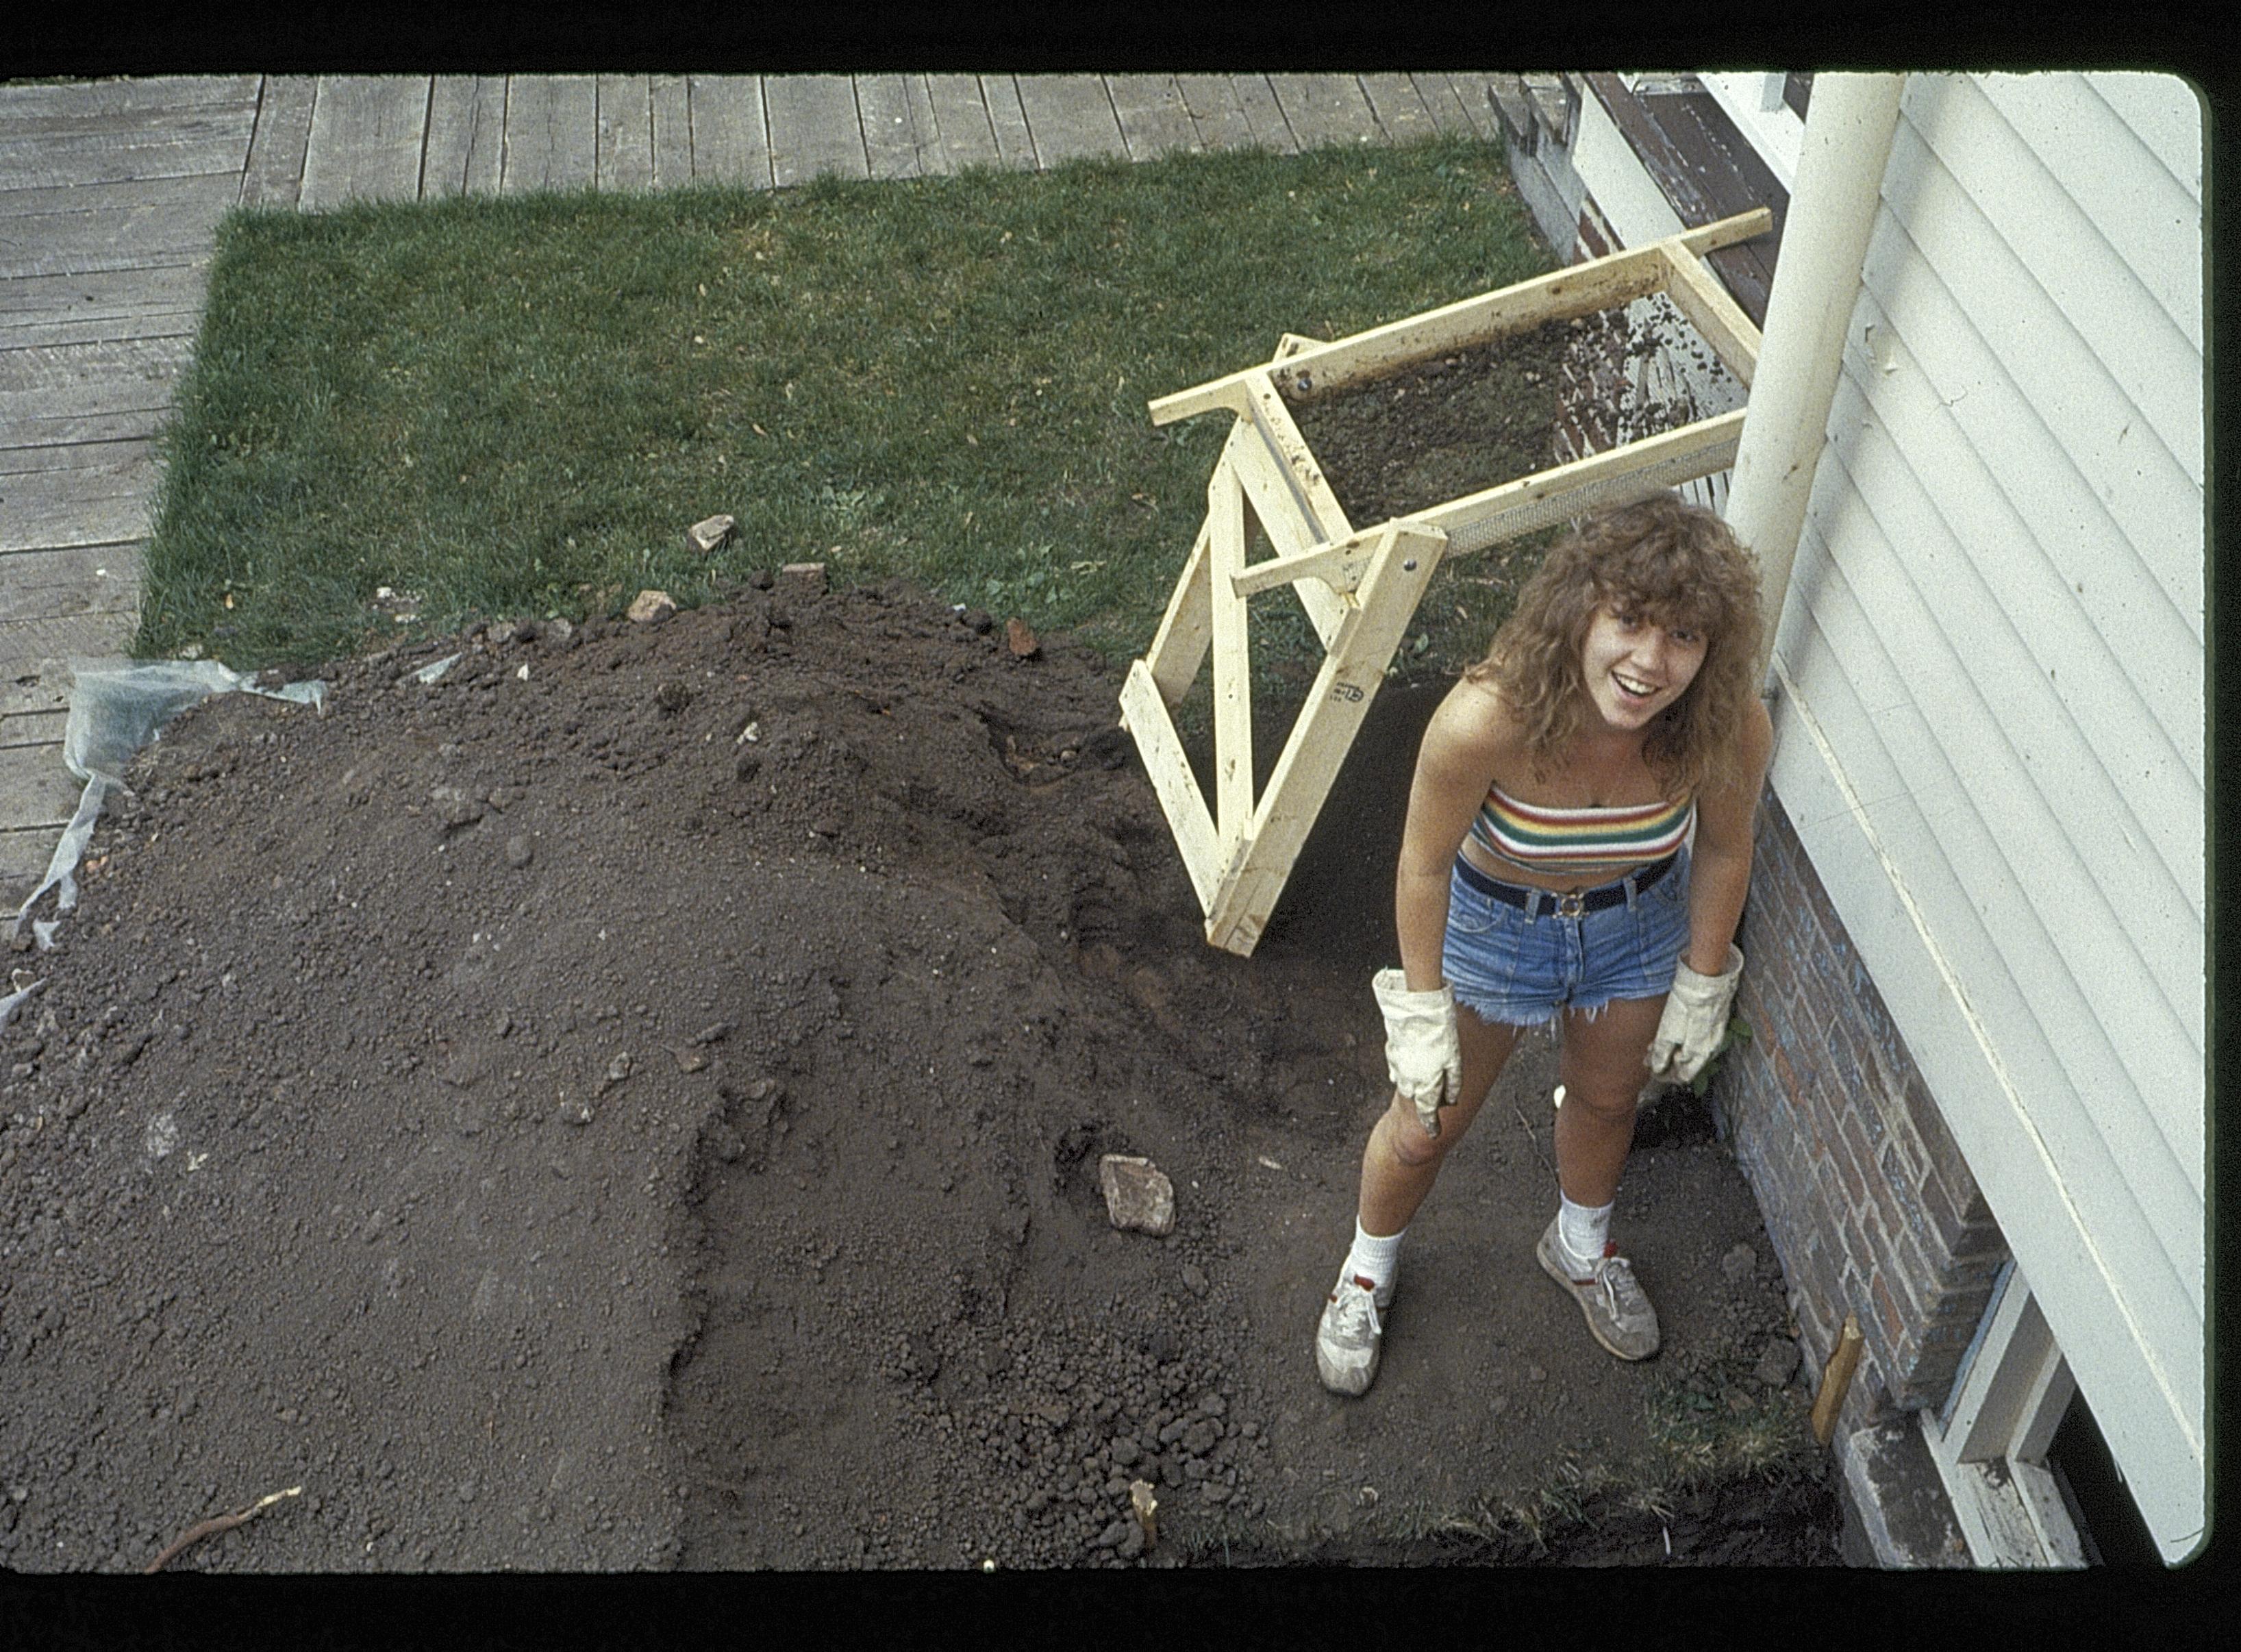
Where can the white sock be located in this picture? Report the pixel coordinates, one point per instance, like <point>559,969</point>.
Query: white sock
<point>1582,1230</point>
<point>1377,1259</point>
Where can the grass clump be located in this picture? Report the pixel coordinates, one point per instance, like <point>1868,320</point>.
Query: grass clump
<point>518,405</point>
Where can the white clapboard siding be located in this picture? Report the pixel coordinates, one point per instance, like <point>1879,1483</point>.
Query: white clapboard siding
<point>2141,814</point>
<point>1992,733</point>
<point>1951,731</point>
<point>2075,392</point>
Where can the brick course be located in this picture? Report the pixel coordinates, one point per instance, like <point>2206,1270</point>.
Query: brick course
<point>1866,1199</point>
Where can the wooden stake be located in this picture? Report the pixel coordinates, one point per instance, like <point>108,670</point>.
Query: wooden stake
<point>1836,1380</point>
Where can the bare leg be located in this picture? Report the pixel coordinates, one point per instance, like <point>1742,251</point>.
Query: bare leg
<point>1401,1162</point>
<point>1602,1074</point>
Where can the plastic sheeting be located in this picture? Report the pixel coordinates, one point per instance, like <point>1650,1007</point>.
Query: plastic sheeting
<point>117,706</point>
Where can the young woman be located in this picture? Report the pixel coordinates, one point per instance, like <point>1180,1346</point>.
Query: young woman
<point>1546,874</point>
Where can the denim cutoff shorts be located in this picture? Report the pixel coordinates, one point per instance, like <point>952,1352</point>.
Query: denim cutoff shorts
<point>1520,966</point>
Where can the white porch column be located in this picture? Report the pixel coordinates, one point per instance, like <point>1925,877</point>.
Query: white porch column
<point>1849,126</point>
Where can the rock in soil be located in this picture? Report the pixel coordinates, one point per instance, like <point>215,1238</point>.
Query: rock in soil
<point>340,1147</point>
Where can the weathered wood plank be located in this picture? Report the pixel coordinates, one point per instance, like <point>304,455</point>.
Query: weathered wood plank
<point>1153,117</point>
<point>33,728</point>
<point>1265,114</point>
<point>1007,120</point>
<point>73,505</point>
<point>550,134</point>
<point>24,853</point>
<point>1462,103</point>
<point>71,365</point>
<point>273,175</point>
<point>27,693</point>
<point>367,134</point>
<point>113,457</point>
<point>86,326</point>
<point>1215,112</point>
<point>1325,109</point>
<point>124,297</point>
<point>43,647</point>
<point>149,95</point>
<point>117,195</point>
<point>895,142</point>
<point>669,107</point>
<point>1070,118</point>
<point>47,396</point>
<point>36,425</point>
<point>182,150</point>
<point>1399,108</point>
<point>37,793</point>
<point>54,585</point>
<point>814,128</point>
<point>466,137</point>
<point>625,133</point>
<point>178,229</point>
<point>1444,104</point>
<point>731,135</point>
<point>960,120</point>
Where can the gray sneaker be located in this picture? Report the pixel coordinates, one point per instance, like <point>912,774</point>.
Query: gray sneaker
<point>1348,1339</point>
<point>1617,1312</point>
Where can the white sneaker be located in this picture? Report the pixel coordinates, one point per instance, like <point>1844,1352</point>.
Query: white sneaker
<point>1348,1336</point>
<point>1618,1313</point>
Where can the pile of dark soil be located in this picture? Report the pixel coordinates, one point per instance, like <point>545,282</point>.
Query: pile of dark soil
<point>636,1100</point>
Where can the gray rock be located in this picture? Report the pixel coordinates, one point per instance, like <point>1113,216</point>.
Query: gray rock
<point>707,536</point>
<point>519,852</point>
<point>1739,1264</point>
<point>1778,1363</point>
<point>1138,1195</point>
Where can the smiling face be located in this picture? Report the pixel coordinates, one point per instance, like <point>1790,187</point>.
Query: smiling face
<point>1633,669</point>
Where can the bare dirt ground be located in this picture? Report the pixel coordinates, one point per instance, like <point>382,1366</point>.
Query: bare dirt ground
<point>635,1102</point>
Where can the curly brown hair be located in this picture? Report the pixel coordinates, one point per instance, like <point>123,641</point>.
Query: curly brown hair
<point>1674,564</point>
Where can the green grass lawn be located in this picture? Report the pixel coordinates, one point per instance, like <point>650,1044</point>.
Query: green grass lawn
<point>518,406</point>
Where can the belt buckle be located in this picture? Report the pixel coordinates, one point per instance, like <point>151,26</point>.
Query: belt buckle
<point>1569,905</point>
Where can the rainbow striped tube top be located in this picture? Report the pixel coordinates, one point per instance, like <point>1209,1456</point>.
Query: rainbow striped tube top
<point>1582,840</point>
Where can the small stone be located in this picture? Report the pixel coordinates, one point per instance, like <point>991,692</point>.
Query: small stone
<point>556,635</point>
<point>574,1113</point>
<point>454,806</point>
<point>1777,1363</point>
<point>1739,1263</point>
<point>1138,1195</point>
<point>651,608</point>
<point>518,851</point>
<point>1023,642</point>
<point>691,1060</point>
<point>710,535</point>
<point>804,578</point>
<point>1194,1279</point>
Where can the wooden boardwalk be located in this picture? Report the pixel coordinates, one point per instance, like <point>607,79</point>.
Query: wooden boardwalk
<point>110,194</point>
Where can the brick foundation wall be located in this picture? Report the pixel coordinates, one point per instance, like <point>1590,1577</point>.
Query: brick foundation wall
<point>1867,1200</point>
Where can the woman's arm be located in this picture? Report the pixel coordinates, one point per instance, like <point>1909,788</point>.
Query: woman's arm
<point>1458,760</point>
<point>1720,863</point>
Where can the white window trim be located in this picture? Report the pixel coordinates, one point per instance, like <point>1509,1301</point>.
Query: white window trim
<point>1753,100</point>
<point>1990,1439</point>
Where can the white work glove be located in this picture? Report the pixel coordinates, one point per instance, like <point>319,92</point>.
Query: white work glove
<point>1694,1021</point>
<point>1423,1052</point>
